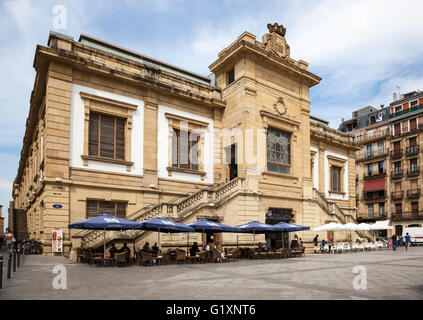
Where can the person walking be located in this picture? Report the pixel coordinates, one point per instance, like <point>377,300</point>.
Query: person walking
<point>316,240</point>
<point>407,241</point>
<point>394,242</point>
<point>10,240</point>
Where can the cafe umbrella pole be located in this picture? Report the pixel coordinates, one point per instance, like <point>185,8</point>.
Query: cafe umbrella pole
<point>104,247</point>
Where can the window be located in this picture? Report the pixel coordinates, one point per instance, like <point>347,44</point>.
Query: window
<point>185,149</point>
<point>398,209</point>
<point>413,124</point>
<point>369,169</point>
<point>369,150</point>
<point>397,128</point>
<point>413,165</point>
<point>405,126</point>
<point>370,210</point>
<point>382,209</point>
<point>414,187</point>
<point>397,148</point>
<point>381,166</point>
<point>98,207</point>
<point>231,76</point>
<point>106,136</point>
<point>413,145</point>
<point>413,103</point>
<point>380,148</point>
<point>397,168</point>
<point>414,208</point>
<point>336,179</point>
<point>278,151</point>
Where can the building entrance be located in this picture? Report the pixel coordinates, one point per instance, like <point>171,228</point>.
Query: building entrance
<point>273,216</point>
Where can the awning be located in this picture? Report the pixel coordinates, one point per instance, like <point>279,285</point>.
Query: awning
<point>374,185</point>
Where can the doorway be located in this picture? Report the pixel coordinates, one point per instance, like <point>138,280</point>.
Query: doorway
<point>231,161</point>
<point>278,240</point>
<point>398,230</point>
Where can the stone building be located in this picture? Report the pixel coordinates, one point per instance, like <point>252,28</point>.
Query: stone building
<point>388,164</point>
<point>113,131</point>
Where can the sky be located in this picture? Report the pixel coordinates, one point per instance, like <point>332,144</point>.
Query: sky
<point>363,50</point>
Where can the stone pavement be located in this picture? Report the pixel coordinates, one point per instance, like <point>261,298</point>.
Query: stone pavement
<point>390,275</point>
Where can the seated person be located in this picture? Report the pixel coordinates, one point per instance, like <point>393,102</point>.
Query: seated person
<point>322,247</point>
<point>155,248</point>
<point>294,244</point>
<point>260,247</point>
<point>147,248</point>
<point>194,249</point>
<point>113,250</point>
<point>126,249</point>
<point>210,246</point>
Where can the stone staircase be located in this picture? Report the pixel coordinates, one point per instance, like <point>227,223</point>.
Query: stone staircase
<point>174,210</point>
<point>333,210</point>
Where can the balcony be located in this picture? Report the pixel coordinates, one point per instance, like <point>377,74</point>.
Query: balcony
<point>374,175</point>
<point>396,154</point>
<point>373,136</point>
<point>407,215</point>
<point>369,196</point>
<point>412,150</point>
<point>396,174</point>
<point>397,195</point>
<point>413,172</point>
<point>399,113</point>
<point>413,193</point>
<point>366,156</point>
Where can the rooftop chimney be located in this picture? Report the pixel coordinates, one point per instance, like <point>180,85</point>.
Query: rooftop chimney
<point>395,96</point>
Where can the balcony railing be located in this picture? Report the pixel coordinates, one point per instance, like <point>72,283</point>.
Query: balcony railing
<point>413,193</point>
<point>373,135</point>
<point>374,195</point>
<point>413,172</point>
<point>414,214</point>
<point>412,150</point>
<point>396,195</point>
<point>396,154</point>
<point>374,175</point>
<point>399,113</point>
<point>396,174</point>
<point>366,156</point>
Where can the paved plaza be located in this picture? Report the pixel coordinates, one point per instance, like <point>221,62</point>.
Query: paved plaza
<point>390,275</point>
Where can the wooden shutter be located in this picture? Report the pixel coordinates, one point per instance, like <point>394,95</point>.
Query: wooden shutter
<point>413,184</point>
<point>92,208</point>
<point>413,124</point>
<point>107,136</point>
<point>175,140</point>
<point>120,138</point>
<point>93,134</point>
<point>121,209</point>
<point>405,126</point>
<point>397,128</point>
<point>107,207</point>
<point>194,150</point>
<point>183,150</point>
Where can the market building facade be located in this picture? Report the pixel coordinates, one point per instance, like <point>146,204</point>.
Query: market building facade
<point>113,131</point>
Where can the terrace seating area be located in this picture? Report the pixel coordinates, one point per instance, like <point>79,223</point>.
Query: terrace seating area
<point>347,247</point>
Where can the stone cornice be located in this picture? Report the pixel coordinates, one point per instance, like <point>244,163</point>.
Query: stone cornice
<point>244,46</point>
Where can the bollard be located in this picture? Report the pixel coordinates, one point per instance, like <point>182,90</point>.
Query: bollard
<point>19,259</point>
<point>1,272</point>
<point>14,261</point>
<point>9,265</point>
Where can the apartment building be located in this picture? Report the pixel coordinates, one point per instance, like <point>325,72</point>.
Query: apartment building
<point>388,165</point>
<point>114,131</point>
